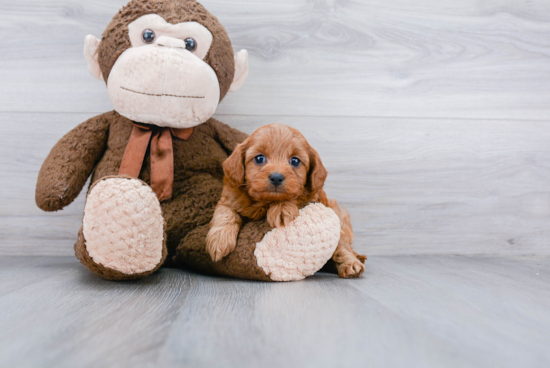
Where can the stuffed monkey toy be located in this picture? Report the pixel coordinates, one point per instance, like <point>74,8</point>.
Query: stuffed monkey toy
<point>156,160</point>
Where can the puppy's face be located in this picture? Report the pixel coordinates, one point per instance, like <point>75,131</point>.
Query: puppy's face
<point>276,163</point>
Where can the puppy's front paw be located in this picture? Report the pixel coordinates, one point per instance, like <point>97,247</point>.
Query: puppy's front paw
<point>221,241</point>
<point>281,214</point>
<point>351,270</point>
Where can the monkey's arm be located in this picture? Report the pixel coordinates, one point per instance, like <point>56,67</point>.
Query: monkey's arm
<point>228,137</point>
<point>70,163</point>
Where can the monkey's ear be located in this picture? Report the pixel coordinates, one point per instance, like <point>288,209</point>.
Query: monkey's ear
<point>233,167</point>
<point>91,47</point>
<point>241,70</point>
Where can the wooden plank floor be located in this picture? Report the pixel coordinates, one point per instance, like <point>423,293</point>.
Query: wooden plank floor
<point>408,311</point>
<point>433,119</point>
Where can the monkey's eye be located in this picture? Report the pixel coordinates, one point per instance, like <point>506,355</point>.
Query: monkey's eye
<point>148,36</point>
<point>190,44</point>
<point>295,161</point>
<point>260,159</point>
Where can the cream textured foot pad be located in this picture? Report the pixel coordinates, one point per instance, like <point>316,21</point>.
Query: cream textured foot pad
<point>123,226</point>
<point>301,248</point>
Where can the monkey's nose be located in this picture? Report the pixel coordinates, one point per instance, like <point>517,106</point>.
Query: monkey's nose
<point>171,42</point>
<point>276,179</point>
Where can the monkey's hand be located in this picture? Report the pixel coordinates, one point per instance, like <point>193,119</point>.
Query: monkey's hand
<point>70,163</point>
<point>281,214</point>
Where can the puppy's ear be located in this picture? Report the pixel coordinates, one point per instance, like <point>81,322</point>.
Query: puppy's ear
<point>317,173</point>
<point>233,167</point>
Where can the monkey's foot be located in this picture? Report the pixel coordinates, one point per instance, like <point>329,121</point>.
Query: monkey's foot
<point>301,248</point>
<point>122,236</point>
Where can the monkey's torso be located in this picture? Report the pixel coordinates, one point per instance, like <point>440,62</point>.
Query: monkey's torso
<point>198,172</point>
<point>201,153</point>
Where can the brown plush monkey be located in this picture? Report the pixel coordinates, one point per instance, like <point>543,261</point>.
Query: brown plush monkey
<point>156,161</point>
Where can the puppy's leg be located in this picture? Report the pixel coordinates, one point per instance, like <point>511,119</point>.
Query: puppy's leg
<point>282,213</point>
<point>349,263</point>
<point>224,229</point>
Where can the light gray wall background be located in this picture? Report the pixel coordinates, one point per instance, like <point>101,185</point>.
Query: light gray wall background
<point>432,116</point>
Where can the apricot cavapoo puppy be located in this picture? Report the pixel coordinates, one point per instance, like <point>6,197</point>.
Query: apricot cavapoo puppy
<point>272,174</point>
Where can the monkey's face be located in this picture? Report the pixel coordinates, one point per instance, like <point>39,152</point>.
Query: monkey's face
<point>166,73</point>
<point>163,79</point>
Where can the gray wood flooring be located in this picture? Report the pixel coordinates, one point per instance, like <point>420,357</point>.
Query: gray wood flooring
<point>432,117</point>
<point>408,311</point>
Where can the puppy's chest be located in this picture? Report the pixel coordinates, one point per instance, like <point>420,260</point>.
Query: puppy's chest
<point>253,211</point>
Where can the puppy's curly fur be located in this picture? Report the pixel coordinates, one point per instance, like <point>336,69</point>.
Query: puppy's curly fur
<point>272,174</point>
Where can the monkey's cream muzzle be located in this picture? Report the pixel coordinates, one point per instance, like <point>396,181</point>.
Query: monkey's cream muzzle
<point>158,80</point>
<point>163,84</point>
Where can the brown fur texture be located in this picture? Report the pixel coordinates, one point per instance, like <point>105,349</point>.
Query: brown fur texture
<point>250,193</point>
<point>69,164</point>
<point>97,146</point>
<point>115,38</point>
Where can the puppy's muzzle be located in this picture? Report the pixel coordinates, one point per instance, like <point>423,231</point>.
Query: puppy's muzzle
<point>276,179</point>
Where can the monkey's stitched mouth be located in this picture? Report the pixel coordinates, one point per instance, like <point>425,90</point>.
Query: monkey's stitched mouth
<point>161,95</point>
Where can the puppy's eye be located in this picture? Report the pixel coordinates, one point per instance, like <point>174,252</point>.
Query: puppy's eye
<point>190,44</point>
<point>260,159</point>
<point>295,161</point>
<point>148,36</point>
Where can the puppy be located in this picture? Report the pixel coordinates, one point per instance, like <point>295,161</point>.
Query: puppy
<point>272,174</point>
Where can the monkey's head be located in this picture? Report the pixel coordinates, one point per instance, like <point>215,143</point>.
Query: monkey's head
<point>166,62</point>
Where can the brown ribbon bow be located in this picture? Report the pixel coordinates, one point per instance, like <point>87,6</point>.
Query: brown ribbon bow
<point>162,155</point>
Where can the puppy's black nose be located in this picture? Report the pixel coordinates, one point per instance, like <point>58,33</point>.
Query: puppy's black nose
<point>276,179</point>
